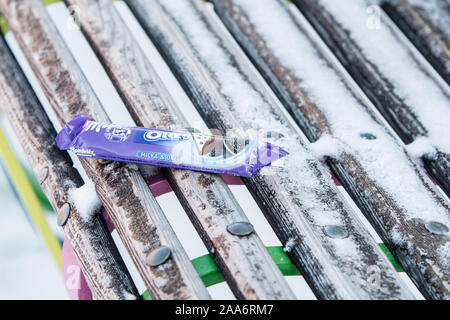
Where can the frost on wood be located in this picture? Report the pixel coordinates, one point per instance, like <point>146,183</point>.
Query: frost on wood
<point>398,196</point>
<point>437,12</point>
<point>372,154</point>
<point>86,200</point>
<point>427,25</point>
<point>410,81</point>
<point>301,187</point>
<point>382,156</point>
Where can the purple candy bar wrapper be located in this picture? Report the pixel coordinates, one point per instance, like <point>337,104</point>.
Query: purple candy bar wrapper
<point>163,148</point>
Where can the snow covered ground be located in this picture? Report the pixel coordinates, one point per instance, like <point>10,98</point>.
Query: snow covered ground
<point>27,270</point>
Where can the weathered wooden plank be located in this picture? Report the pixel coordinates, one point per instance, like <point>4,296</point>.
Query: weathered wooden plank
<point>299,201</point>
<point>244,261</point>
<point>138,219</point>
<point>326,103</point>
<point>396,97</point>
<point>426,24</point>
<point>96,252</point>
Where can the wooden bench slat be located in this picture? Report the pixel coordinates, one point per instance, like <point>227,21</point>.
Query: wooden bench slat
<point>298,201</point>
<point>426,24</point>
<point>359,165</point>
<point>138,219</point>
<point>244,261</point>
<point>395,104</point>
<point>91,241</point>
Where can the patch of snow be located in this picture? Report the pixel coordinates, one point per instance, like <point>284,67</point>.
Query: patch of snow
<point>289,245</point>
<point>86,200</point>
<point>326,146</point>
<point>422,147</point>
<point>444,253</point>
<point>129,296</point>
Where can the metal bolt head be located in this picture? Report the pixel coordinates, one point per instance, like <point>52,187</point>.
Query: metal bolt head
<point>335,232</point>
<point>158,256</point>
<point>436,227</point>
<point>103,161</point>
<point>367,136</point>
<point>63,214</point>
<point>240,228</point>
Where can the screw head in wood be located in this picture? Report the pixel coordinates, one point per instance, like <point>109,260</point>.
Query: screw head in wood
<point>103,161</point>
<point>335,232</point>
<point>367,136</point>
<point>63,214</point>
<point>158,256</point>
<point>240,228</point>
<point>436,227</point>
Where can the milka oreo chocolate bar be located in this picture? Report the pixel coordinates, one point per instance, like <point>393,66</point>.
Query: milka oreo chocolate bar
<point>175,149</point>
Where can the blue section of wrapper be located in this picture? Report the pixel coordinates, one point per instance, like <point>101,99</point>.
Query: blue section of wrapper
<point>163,148</point>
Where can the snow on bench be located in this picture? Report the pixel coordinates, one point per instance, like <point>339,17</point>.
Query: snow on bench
<point>387,184</point>
<point>427,25</point>
<point>397,79</point>
<point>315,99</point>
<point>323,237</point>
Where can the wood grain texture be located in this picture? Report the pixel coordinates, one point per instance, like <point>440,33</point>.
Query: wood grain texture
<point>243,261</point>
<point>419,255</point>
<point>428,35</point>
<point>282,196</point>
<point>137,217</point>
<point>375,85</point>
<point>94,248</point>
